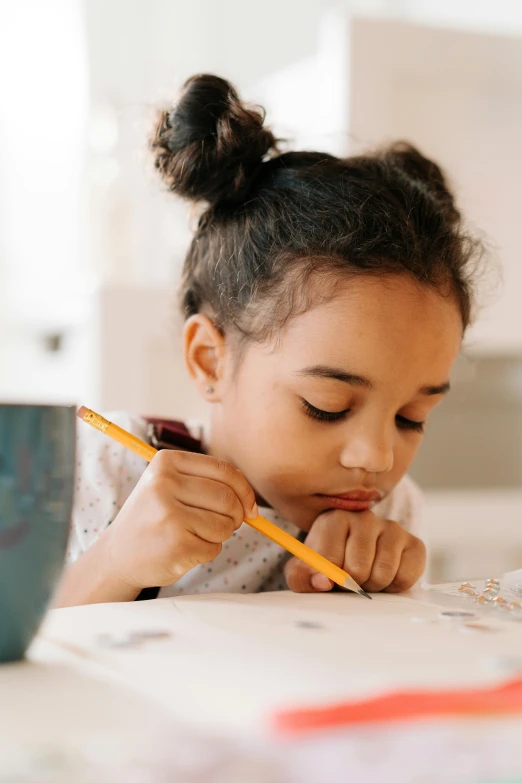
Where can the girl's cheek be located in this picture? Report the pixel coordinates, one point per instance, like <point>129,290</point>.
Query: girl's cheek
<point>404,455</point>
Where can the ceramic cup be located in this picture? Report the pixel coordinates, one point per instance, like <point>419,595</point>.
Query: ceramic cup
<point>37,444</point>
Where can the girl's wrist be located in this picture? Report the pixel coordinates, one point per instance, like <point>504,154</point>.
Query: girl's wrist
<point>108,573</point>
<point>90,580</point>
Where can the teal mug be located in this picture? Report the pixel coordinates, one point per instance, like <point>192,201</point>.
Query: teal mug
<point>37,446</point>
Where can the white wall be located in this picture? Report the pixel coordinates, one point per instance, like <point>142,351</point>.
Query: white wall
<point>43,117</point>
<point>139,51</point>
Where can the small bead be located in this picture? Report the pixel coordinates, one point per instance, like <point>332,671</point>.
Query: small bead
<point>499,600</point>
<point>493,582</point>
<point>489,594</point>
<point>481,599</point>
<point>516,605</point>
<point>466,586</point>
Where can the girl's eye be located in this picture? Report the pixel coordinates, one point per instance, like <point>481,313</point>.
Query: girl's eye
<point>319,415</point>
<point>409,424</point>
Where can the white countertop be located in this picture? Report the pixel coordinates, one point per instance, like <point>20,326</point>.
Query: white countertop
<point>192,706</point>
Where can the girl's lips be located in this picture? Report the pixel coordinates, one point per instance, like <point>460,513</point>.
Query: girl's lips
<point>358,500</point>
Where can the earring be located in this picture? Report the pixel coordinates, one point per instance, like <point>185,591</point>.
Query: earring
<point>209,390</point>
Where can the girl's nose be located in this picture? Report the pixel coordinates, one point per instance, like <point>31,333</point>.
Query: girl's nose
<point>369,449</point>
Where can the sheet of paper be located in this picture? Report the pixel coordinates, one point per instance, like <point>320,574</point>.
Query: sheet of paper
<point>232,660</point>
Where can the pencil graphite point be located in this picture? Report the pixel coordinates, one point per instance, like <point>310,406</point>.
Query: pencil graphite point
<point>351,584</point>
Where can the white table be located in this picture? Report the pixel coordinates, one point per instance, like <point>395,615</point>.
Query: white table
<point>80,712</point>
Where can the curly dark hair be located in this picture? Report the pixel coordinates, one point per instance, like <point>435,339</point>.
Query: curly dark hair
<point>274,221</point>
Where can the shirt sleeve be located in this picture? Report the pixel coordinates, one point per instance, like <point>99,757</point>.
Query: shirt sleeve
<point>106,474</point>
<point>405,506</point>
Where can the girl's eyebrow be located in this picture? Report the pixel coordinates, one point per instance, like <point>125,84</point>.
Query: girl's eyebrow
<point>336,374</point>
<point>323,371</point>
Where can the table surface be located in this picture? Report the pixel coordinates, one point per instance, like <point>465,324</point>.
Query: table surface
<point>64,717</point>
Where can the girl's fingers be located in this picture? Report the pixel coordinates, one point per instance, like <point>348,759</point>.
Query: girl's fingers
<point>378,554</point>
<point>301,578</point>
<point>411,568</point>
<point>197,552</point>
<point>328,537</point>
<point>209,526</point>
<point>361,545</point>
<point>203,466</point>
<point>208,495</point>
<point>388,553</point>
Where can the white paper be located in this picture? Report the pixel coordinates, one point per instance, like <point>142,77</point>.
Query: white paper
<point>233,660</point>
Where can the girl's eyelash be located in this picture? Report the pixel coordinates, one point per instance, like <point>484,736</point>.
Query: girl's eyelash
<point>319,415</point>
<point>409,424</point>
<point>316,413</point>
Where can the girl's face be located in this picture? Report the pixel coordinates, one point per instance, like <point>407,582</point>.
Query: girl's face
<point>332,413</point>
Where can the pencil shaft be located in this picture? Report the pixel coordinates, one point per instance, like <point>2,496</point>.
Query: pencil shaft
<point>300,550</point>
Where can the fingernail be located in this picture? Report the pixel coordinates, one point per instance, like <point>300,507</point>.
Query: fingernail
<point>254,513</point>
<point>321,582</point>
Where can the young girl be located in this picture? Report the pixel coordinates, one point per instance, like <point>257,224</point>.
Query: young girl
<point>325,303</point>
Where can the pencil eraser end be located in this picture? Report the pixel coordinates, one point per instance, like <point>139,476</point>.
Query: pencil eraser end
<point>82,412</point>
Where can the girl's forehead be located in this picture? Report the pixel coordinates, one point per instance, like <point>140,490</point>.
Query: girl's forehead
<point>373,320</point>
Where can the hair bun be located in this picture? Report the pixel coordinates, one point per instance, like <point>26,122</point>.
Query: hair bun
<point>210,145</point>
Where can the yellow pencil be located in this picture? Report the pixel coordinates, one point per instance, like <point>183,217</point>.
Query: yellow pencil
<point>271,531</point>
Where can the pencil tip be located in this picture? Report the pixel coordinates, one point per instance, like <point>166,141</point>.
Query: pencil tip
<point>366,595</point>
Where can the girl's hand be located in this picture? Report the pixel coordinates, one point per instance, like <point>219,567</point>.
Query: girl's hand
<point>378,554</point>
<point>180,512</point>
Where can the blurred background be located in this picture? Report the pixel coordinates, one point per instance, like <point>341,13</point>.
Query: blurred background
<point>91,248</point>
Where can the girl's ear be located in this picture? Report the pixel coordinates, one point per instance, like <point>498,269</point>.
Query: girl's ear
<point>204,351</point>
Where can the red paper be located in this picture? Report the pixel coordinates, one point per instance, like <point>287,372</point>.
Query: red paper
<point>405,705</point>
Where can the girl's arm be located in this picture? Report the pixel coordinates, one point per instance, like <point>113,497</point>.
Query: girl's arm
<point>178,515</point>
<point>90,580</point>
